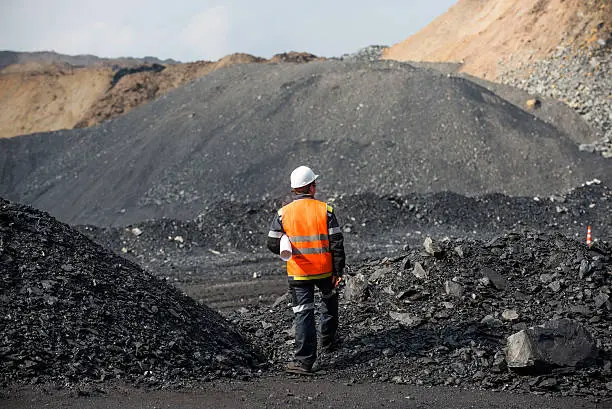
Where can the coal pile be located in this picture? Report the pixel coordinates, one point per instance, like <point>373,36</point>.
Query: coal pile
<point>72,311</point>
<point>379,127</point>
<point>448,213</point>
<point>441,314</point>
<point>229,228</point>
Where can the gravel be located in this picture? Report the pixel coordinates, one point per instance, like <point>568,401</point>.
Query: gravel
<point>365,54</point>
<point>582,80</point>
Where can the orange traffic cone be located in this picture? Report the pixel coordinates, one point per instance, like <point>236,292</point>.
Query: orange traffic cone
<point>589,239</point>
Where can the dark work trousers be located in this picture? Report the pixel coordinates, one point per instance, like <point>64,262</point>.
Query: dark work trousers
<point>302,295</point>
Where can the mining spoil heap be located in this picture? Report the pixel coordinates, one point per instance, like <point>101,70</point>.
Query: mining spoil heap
<point>383,127</point>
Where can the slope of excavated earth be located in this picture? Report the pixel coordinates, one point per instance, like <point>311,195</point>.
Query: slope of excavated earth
<point>71,311</point>
<point>51,92</point>
<point>554,49</point>
<point>39,98</point>
<point>487,37</point>
<point>385,127</point>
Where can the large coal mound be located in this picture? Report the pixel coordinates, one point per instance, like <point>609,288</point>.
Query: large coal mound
<point>71,311</point>
<point>236,134</point>
<point>441,313</point>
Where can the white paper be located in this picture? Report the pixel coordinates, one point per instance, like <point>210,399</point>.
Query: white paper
<point>285,248</point>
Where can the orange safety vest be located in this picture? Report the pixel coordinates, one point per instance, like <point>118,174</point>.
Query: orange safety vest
<point>305,223</point>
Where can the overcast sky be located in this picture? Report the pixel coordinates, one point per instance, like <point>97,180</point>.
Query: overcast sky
<point>190,30</point>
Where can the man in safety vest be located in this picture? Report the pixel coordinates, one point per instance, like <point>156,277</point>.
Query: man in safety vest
<point>317,259</point>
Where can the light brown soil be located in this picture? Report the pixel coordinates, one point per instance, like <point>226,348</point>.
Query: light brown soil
<point>487,36</point>
<point>38,98</point>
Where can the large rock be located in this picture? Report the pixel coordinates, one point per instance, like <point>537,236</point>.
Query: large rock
<point>357,288</point>
<point>495,279</point>
<point>432,248</point>
<point>454,289</point>
<point>419,271</point>
<point>557,343</point>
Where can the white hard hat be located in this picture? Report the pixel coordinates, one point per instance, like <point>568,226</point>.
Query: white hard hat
<point>302,176</point>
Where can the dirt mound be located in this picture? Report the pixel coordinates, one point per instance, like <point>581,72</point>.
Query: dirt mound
<point>72,311</point>
<point>219,257</point>
<point>484,36</point>
<point>41,96</point>
<point>236,134</point>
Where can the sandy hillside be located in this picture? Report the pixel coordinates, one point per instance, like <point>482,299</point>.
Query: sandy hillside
<point>42,96</point>
<point>489,36</point>
<point>36,98</point>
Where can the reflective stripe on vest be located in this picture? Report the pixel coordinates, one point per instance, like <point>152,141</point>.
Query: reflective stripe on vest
<point>305,223</point>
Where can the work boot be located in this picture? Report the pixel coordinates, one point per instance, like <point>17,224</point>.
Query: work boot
<point>330,346</point>
<point>298,368</point>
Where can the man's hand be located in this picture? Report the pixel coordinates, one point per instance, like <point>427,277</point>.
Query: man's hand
<point>336,280</point>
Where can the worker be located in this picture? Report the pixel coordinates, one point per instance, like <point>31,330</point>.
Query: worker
<point>317,261</point>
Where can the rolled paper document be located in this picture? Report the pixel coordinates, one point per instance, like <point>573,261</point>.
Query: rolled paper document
<point>285,248</point>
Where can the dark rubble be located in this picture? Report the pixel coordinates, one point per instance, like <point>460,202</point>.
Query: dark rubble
<point>449,327</point>
<point>71,311</point>
<point>535,243</point>
<point>441,339</point>
<point>228,233</point>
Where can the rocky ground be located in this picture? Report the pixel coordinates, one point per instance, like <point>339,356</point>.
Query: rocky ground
<point>441,315</point>
<point>434,315</point>
<point>580,79</point>
<point>464,210</point>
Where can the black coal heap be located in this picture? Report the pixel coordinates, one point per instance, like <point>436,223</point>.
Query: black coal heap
<point>71,310</point>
